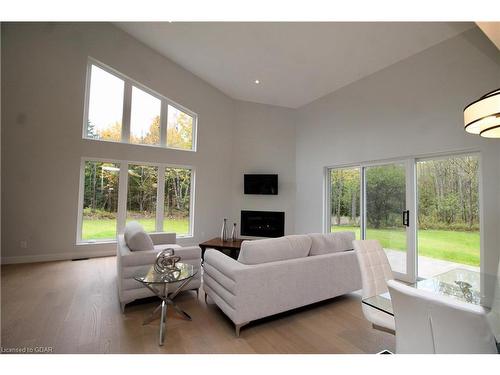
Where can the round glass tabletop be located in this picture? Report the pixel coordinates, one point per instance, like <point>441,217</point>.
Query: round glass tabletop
<point>183,271</point>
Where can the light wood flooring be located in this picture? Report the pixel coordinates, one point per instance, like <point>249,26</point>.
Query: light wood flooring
<point>73,307</point>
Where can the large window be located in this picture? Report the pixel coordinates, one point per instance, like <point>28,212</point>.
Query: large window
<point>177,200</point>
<point>100,200</point>
<point>119,109</point>
<point>158,196</point>
<point>141,195</point>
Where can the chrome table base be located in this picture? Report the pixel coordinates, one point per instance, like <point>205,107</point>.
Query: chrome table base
<point>166,299</point>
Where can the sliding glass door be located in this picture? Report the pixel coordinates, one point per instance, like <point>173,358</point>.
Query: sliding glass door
<point>424,212</point>
<point>375,202</point>
<point>386,212</point>
<point>448,214</point>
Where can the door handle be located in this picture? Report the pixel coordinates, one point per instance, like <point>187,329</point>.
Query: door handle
<point>406,218</point>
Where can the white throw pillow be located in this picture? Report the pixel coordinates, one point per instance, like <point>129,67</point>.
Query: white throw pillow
<point>136,238</point>
<point>331,242</point>
<point>274,249</point>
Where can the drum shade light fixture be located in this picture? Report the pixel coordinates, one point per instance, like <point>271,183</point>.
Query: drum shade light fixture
<point>483,115</point>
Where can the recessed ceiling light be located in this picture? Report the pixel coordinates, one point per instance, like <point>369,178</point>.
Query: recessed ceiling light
<point>257,81</point>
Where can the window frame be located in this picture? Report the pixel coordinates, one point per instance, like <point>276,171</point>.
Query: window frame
<point>123,192</point>
<point>127,109</point>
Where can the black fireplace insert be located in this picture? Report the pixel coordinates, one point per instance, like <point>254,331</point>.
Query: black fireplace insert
<point>262,223</point>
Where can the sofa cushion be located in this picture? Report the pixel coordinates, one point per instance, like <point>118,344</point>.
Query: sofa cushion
<point>274,249</point>
<point>331,242</point>
<point>136,238</point>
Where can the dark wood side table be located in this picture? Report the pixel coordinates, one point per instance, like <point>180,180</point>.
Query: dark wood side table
<point>218,244</point>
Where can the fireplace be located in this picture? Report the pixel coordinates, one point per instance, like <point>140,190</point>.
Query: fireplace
<point>262,223</point>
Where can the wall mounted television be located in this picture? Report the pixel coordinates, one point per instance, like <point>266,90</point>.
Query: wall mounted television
<point>265,184</point>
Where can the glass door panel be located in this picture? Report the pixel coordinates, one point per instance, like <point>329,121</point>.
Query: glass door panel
<point>448,214</point>
<point>345,193</point>
<point>386,215</point>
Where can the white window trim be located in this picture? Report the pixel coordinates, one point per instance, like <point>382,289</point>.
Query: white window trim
<point>127,108</point>
<point>121,215</point>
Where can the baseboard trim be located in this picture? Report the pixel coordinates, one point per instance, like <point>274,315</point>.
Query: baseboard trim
<point>57,256</point>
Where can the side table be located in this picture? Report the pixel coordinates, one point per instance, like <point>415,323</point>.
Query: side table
<point>158,283</point>
<point>218,244</point>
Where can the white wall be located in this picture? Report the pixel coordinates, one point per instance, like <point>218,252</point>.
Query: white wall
<point>413,107</point>
<point>43,71</point>
<point>264,142</point>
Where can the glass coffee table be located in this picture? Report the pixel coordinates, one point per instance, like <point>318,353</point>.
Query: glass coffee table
<point>159,284</point>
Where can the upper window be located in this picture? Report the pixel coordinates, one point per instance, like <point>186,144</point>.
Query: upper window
<point>145,118</point>
<point>121,110</point>
<point>179,129</point>
<point>105,106</point>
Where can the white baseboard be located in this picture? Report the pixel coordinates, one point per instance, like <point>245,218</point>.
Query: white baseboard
<point>57,256</point>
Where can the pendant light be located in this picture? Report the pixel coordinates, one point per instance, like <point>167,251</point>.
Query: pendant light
<point>483,115</point>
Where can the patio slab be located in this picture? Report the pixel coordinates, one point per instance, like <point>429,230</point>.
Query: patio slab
<point>427,267</point>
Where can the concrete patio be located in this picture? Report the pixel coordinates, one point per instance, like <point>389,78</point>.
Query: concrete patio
<point>427,267</point>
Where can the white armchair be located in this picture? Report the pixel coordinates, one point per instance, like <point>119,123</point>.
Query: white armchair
<point>428,324</point>
<point>130,263</point>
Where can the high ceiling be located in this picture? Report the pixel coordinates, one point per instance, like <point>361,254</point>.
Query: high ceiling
<point>295,63</point>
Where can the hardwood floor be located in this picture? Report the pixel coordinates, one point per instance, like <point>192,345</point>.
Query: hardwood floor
<point>73,308</point>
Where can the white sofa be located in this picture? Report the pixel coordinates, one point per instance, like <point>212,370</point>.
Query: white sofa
<point>276,275</point>
<point>131,263</point>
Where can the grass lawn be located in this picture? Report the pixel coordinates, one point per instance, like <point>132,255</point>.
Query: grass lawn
<point>102,229</point>
<point>453,246</point>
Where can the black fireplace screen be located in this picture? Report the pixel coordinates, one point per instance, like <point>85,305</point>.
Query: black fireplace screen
<point>262,223</point>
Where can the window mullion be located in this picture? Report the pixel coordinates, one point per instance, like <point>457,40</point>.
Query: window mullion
<point>160,199</point>
<point>122,197</point>
<point>127,107</point>
<point>163,123</point>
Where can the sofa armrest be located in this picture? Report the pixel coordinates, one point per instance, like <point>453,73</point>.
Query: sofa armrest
<point>163,238</point>
<point>222,263</point>
<point>220,273</point>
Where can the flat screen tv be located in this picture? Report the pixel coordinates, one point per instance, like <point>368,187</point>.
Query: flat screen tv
<point>261,184</point>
